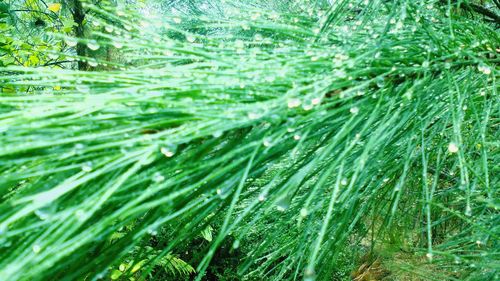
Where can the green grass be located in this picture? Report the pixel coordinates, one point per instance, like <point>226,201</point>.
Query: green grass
<point>296,131</point>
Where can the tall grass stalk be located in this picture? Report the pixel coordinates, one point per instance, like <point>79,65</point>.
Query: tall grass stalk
<point>299,126</point>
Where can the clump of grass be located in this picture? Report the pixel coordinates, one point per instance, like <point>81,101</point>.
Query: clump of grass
<point>289,126</point>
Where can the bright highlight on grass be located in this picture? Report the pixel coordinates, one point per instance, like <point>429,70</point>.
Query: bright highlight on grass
<point>249,140</point>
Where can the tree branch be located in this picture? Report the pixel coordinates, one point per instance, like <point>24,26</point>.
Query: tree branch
<point>478,9</point>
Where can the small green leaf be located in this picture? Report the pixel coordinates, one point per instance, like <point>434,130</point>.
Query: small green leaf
<point>138,265</point>
<point>115,274</point>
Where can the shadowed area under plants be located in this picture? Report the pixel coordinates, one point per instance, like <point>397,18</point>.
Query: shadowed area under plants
<point>249,140</point>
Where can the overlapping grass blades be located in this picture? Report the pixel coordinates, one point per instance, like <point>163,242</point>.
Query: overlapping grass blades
<point>298,128</point>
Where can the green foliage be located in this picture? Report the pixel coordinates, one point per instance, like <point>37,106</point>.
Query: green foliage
<point>132,267</point>
<point>5,38</point>
<point>257,140</point>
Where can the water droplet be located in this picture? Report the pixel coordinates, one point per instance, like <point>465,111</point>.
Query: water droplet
<point>217,134</point>
<point>303,212</point>
<point>429,256</point>
<point>71,42</point>
<point>343,182</point>
<point>190,38</point>
<point>87,167</point>
<point>36,248</point>
<point>293,103</point>
<point>158,177</point>
<point>380,82</point>
<point>93,63</point>
<point>255,16</point>
<point>81,215</point>
<point>282,205</point>
<point>309,275</point>
<point>41,214</point>
<point>253,115</point>
<point>93,45</point>
<point>117,44</point>
<point>266,142</point>
<point>340,73</point>
<point>236,244</point>
<point>239,44</point>
<point>219,191</point>
<point>152,232</point>
<point>354,110</point>
<point>315,101</point>
<point>409,94</point>
<point>484,69</point>
<point>307,106</point>
<point>452,147</point>
<point>167,152</point>
<point>262,197</point>
<point>296,137</point>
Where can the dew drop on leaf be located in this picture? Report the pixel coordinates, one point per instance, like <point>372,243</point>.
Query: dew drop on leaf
<point>303,212</point>
<point>236,244</point>
<point>282,205</point>
<point>36,248</point>
<point>190,38</point>
<point>93,63</point>
<point>217,134</point>
<point>484,69</point>
<point>266,142</point>
<point>41,214</point>
<point>315,101</point>
<point>87,167</point>
<point>71,42</point>
<point>93,45</point>
<point>117,44</point>
<point>309,275</point>
<point>253,115</point>
<point>452,147</point>
<point>167,152</point>
<point>468,211</point>
<point>158,177</point>
<point>81,215</point>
